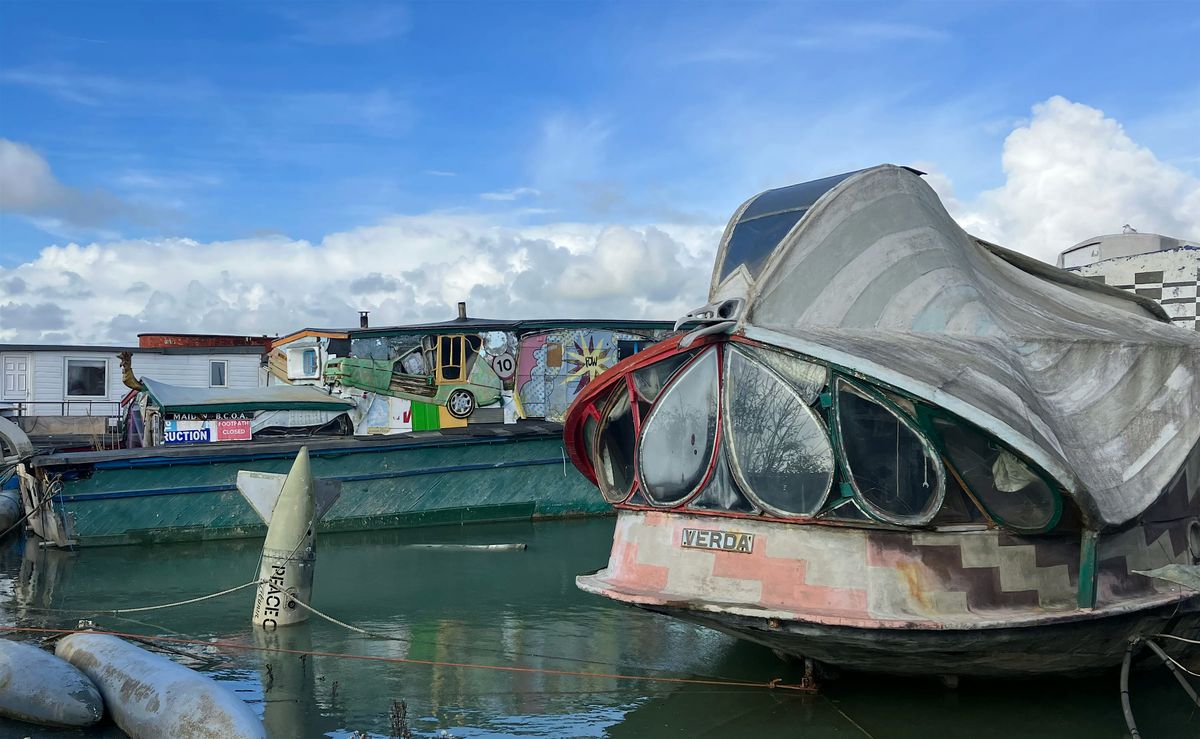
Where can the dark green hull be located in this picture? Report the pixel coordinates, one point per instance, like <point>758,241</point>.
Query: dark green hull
<point>189,494</point>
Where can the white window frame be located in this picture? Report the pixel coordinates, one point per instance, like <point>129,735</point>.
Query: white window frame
<point>225,362</point>
<point>67,395</point>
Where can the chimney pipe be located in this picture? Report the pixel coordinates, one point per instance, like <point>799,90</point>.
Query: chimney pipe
<point>462,311</point>
<point>362,318</point>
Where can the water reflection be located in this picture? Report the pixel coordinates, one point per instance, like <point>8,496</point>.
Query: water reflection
<point>511,610</point>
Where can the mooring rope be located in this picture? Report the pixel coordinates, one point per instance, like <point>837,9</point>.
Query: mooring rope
<point>119,611</point>
<point>115,613</point>
<point>772,685</point>
<point>343,624</point>
<point>1172,664</point>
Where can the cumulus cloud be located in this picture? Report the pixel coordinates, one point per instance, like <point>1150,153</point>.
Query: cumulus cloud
<point>1072,173</point>
<point>403,270</point>
<point>29,188</point>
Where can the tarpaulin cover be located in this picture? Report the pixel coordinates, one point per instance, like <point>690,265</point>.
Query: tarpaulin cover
<point>175,399</point>
<point>1086,381</point>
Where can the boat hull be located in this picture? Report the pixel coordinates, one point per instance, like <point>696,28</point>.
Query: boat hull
<point>978,603</point>
<point>1075,647</point>
<point>152,495</point>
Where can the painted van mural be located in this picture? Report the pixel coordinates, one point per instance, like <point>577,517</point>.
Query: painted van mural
<point>475,370</point>
<point>554,366</point>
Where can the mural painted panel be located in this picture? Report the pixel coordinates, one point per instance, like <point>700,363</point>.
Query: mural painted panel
<point>553,367</point>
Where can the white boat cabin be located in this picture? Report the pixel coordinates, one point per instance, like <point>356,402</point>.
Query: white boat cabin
<point>64,380</point>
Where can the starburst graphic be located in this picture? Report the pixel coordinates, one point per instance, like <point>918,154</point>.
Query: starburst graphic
<point>586,363</point>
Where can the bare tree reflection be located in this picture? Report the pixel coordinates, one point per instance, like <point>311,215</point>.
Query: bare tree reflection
<point>779,447</point>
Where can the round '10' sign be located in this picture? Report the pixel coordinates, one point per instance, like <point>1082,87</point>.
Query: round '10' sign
<point>504,365</point>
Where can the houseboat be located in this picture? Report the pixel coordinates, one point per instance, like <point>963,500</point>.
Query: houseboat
<point>376,408</point>
<point>885,445</point>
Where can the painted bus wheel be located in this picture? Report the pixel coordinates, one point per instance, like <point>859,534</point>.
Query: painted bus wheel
<point>460,403</point>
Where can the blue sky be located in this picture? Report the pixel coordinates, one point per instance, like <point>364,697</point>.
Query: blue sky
<point>237,121</point>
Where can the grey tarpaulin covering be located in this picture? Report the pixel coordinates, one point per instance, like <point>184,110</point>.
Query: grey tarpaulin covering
<point>175,399</point>
<point>876,276</point>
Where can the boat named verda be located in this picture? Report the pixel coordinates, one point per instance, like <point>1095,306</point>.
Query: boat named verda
<point>886,445</point>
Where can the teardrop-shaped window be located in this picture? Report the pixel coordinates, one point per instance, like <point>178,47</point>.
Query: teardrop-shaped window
<point>779,447</point>
<point>1008,488</point>
<point>649,380</point>
<point>678,438</point>
<point>808,378</point>
<point>894,470</point>
<point>615,443</point>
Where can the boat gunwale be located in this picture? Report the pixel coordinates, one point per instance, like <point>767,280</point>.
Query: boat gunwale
<point>287,447</point>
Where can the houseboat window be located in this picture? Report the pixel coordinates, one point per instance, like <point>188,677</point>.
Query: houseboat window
<point>614,446</point>
<point>780,451</point>
<point>1012,492</point>
<point>589,438</point>
<point>87,378</point>
<point>679,435</point>
<point>957,508</point>
<point>309,358</point>
<point>450,361</point>
<point>892,468</point>
<point>721,493</point>
<point>808,378</point>
<point>413,362</point>
<point>649,380</point>
<point>217,369</point>
<point>628,347</point>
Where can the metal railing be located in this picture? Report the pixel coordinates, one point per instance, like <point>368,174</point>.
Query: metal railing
<point>105,408</point>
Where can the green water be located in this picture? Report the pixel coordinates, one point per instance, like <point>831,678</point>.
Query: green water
<point>520,609</point>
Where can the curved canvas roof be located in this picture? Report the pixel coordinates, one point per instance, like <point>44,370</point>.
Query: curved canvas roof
<point>176,399</point>
<point>876,276</point>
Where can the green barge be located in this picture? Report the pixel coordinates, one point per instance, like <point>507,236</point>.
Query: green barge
<point>494,472</point>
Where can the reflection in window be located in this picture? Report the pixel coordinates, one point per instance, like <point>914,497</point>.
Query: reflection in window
<point>615,445</point>
<point>721,493</point>
<point>1010,491</point>
<point>678,437</point>
<point>892,469</point>
<point>87,378</point>
<point>808,378</point>
<point>780,451</point>
<point>649,380</point>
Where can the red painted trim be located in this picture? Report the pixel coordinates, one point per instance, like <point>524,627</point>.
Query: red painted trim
<point>596,389</point>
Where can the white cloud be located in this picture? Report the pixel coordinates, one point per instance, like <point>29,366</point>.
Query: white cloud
<point>513,194</point>
<point>1072,173</point>
<point>29,188</point>
<point>405,269</point>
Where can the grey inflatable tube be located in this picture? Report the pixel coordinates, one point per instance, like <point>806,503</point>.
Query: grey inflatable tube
<point>38,687</point>
<point>151,697</point>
